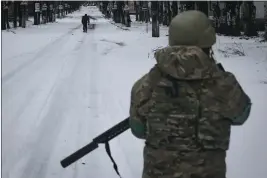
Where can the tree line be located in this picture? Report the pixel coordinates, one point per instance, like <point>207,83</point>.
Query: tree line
<point>231,19</point>
<point>17,12</point>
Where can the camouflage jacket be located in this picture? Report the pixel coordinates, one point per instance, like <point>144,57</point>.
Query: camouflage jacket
<point>186,102</point>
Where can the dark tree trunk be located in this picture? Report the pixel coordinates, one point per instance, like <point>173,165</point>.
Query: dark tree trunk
<point>3,22</point>
<point>22,19</point>
<point>136,11</point>
<point>234,24</point>
<point>155,20</point>
<point>169,13</point>
<point>20,9</point>
<point>4,15</point>
<point>140,11</point>
<point>165,13</point>
<point>160,12</point>
<point>174,8</point>
<point>49,11</point>
<point>217,16</point>
<point>36,13</point>
<point>249,16</point>
<point>146,12</point>
<point>120,11</point>
<point>203,7</point>
<point>15,13</point>
<point>105,6</point>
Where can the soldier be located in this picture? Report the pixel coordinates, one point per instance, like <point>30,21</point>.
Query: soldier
<point>185,105</point>
<point>86,20</point>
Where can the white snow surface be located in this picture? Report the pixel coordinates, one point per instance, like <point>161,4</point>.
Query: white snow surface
<point>62,87</point>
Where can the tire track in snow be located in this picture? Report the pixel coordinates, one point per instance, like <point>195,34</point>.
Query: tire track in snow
<point>53,54</point>
<point>114,114</point>
<point>95,162</point>
<point>72,129</point>
<point>39,54</point>
<point>53,120</point>
<point>125,146</point>
<point>30,95</point>
<point>11,131</point>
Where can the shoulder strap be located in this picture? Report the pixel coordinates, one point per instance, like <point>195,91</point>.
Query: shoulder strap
<point>107,147</point>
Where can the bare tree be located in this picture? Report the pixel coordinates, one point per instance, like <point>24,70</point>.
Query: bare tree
<point>203,7</point>
<point>169,12</point>
<point>216,16</point>
<point>120,11</point>
<point>4,13</point>
<point>155,19</point>
<point>174,8</point>
<point>232,25</point>
<point>248,11</point>
<point>15,13</point>
<point>160,12</point>
<point>136,7</point>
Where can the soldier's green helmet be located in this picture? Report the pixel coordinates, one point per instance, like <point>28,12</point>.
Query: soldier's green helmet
<point>191,28</point>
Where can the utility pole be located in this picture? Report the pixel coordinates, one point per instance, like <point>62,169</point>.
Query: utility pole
<point>155,18</point>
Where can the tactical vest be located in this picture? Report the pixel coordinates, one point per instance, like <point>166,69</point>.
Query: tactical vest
<point>185,115</point>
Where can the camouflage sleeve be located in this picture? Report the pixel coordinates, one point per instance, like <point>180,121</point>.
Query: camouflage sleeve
<point>140,99</point>
<point>137,123</point>
<point>241,119</point>
<point>239,103</point>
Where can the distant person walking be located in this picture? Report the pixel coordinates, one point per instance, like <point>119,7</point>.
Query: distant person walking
<point>85,21</point>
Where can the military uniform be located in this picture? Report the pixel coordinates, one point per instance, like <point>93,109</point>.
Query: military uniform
<point>185,105</point>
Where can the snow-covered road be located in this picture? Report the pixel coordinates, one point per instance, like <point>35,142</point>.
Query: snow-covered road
<point>53,102</point>
<point>62,87</point>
